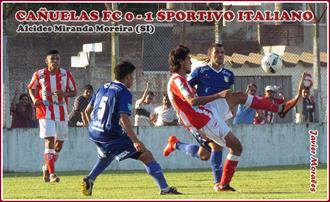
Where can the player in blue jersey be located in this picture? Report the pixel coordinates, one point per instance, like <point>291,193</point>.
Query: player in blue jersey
<point>110,129</point>
<point>212,77</point>
<point>209,80</point>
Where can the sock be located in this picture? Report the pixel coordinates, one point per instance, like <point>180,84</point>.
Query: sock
<point>229,169</point>
<point>101,164</point>
<point>216,160</point>
<point>49,156</point>
<point>256,102</point>
<point>189,149</point>
<point>154,169</point>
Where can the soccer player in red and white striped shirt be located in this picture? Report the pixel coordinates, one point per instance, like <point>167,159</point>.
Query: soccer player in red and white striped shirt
<point>50,89</point>
<point>198,116</point>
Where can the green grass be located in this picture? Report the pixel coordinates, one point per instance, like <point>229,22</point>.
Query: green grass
<point>290,182</point>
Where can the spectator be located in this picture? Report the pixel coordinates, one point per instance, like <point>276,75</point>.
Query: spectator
<point>306,107</point>
<point>259,118</point>
<point>143,108</point>
<point>80,104</point>
<point>270,93</point>
<point>22,112</point>
<point>164,115</point>
<point>245,115</point>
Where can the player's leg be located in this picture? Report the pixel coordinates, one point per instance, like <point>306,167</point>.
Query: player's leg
<point>154,169</point>
<point>103,161</point>
<point>58,148</point>
<point>255,102</point>
<point>216,161</point>
<point>210,150</point>
<point>62,133</point>
<point>218,130</point>
<point>47,132</point>
<point>49,157</point>
<point>230,165</point>
<point>190,149</point>
<point>235,98</point>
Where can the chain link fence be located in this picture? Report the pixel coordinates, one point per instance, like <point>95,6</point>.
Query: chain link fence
<point>245,44</point>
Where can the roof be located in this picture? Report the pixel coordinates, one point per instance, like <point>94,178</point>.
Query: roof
<point>254,59</point>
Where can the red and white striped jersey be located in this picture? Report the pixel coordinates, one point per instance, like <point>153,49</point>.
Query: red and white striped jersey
<point>269,116</point>
<point>53,107</point>
<point>178,89</point>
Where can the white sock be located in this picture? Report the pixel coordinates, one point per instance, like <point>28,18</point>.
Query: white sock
<point>248,101</point>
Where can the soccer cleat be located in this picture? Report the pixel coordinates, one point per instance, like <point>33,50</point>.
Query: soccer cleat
<point>87,186</point>
<point>226,188</point>
<point>170,147</point>
<point>54,178</point>
<point>171,190</point>
<point>45,173</point>
<point>285,107</point>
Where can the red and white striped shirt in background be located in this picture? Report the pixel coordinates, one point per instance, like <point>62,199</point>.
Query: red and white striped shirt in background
<point>178,90</point>
<point>269,116</point>
<point>52,107</point>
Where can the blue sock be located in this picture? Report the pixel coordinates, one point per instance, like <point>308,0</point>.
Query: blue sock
<point>100,165</point>
<point>189,149</point>
<point>154,169</point>
<point>216,160</point>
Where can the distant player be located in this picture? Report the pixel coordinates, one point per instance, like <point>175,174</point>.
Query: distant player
<point>110,129</point>
<point>205,118</point>
<point>212,77</point>
<point>50,89</point>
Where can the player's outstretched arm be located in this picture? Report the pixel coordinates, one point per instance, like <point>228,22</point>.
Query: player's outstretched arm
<point>300,86</point>
<point>202,100</point>
<point>126,124</point>
<point>85,115</point>
<point>144,95</point>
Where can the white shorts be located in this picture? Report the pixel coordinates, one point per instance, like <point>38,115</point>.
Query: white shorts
<point>221,107</point>
<point>216,129</point>
<point>51,128</point>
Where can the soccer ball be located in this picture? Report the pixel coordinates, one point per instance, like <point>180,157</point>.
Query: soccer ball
<point>271,63</point>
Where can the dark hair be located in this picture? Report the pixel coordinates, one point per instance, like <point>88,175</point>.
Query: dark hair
<point>306,88</point>
<point>248,87</point>
<point>52,52</point>
<point>209,50</point>
<point>150,93</point>
<point>23,95</point>
<point>214,45</point>
<point>123,69</point>
<point>179,53</point>
<point>88,87</point>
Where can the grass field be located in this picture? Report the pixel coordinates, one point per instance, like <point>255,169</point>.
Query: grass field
<point>290,182</point>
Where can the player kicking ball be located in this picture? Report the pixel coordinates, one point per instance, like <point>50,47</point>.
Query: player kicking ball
<point>202,116</point>
<point>110,129</point>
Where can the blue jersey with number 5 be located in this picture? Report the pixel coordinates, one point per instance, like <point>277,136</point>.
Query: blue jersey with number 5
<point>108,103</point>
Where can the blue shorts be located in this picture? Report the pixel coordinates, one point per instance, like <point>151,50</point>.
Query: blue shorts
<point>120,149</point>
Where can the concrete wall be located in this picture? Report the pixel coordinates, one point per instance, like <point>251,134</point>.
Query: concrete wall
<point>278,144</point>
